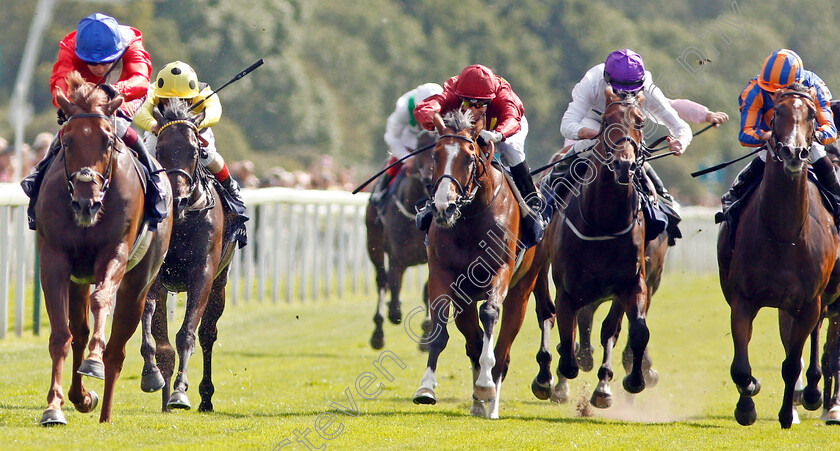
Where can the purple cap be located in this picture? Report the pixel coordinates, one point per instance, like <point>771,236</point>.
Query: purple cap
<point>625,70</point>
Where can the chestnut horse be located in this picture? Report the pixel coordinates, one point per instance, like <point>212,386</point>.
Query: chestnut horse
<point>597,251</point>
<point>90,231</point>
<point>197,263</point>
<point>392,231</point>
<point>473,247</point>
<point>780,255</point>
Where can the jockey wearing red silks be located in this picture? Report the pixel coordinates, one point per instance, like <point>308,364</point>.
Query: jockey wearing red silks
<point>486,93</point>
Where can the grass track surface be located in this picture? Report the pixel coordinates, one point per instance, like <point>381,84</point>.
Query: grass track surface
<point>281,369</point>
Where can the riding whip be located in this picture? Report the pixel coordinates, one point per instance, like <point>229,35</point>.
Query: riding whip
<point>723,165</point>
<point>237,77</point>
<point>375,176</point>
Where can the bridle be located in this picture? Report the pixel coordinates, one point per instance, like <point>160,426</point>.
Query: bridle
<point>88,174</point>
<point>803,152</point>
<point>610,147</point>
<point>467,193</point>
<point>192,179</point>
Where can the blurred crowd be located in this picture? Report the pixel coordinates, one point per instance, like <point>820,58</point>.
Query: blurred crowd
<point>324,173</point>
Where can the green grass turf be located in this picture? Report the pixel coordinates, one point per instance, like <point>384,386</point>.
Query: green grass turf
<point>283,368</point>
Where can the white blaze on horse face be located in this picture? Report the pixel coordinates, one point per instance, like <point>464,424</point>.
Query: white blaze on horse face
<point>794,133</point>
<point>443,191</point>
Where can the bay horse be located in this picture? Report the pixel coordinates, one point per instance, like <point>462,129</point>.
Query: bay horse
<point>197,263</point>
<point>391,231</point>
<point>597,251</point>
<point>90,231</point>
<point>780,255</point>
<point>474,242</point>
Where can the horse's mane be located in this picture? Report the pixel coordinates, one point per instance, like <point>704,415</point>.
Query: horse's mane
<point>798,87</point>
<point>459,120</point>
<point>177,110</point>
<point>83,93</point>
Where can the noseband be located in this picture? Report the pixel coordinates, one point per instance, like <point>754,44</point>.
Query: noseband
<point>191,178</point>
<point>464,196</point>
<point>87,174</point>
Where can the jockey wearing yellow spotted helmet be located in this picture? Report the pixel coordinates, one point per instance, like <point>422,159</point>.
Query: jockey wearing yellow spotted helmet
<point>178,80</point>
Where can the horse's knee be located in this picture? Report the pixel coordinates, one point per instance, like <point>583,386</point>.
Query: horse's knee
<point>185,339</point>
<point>60,342</point>
<point>791,369</point>
<point>639,335</point>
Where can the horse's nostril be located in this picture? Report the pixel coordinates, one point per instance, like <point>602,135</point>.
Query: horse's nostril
<point>75,206</point>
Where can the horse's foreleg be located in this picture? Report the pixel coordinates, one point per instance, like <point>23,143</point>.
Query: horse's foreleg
<point>566,325</point>
<point>197,296</point>
<point>831,365</point>
<point>151,379</point>
<point>638,334</point>
<point>611,327</point>
<point>585,351</point>
<point>54,279</point>
<point>427,322</point>
<point>164,353</point>
<point>741,319</point>
<point>792,365</point>
<point>80,328</point>
<point>541,386</point>
<point>376,253</point>
<point>108,279</point>
<point>207,334</point>
<point>439,303</point>
<point>395,278</point>
<point>812,397</point>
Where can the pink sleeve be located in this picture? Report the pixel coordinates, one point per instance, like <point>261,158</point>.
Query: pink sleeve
<point>690,111</point>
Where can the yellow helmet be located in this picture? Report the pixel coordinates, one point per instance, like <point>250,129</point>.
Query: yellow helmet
<point>177,79</point>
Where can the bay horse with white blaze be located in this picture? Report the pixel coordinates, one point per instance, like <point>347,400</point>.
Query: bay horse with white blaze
<point>473,247</point>
<point>391,231</point>
<point>780,254</point>
<point>598,251</point>
<point>90,231</point>
<point>197,262</point>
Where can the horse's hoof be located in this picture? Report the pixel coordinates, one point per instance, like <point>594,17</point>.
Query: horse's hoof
<point>540,390</point>
<point>633,386</point>
<point>832,417</point>
<point>205,407</point>
<point>425,396</point>
<point>92,368</point>
<point>561,394</point>
<point>152,381</point>
<point>745,411</point>
<point>179,400</point>
<point>652,378</point>
<point>478,409</point>
<point>377,340</point>
<point>601,400</point>
<point>52,417</point>
<point>585,359</point>
<point>484,394</point>
<point>394,313</point>
<point>751,389</point>
<point>94,401</point>
<point>812,399</point>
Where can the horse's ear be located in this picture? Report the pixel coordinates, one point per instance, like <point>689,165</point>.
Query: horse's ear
<point>640,96</point>
<point>111,106</point>
<point>62,101</point>
<point>439,125</point>
<point>609,94</point>
<point>199,118</point>
<point>157,113</point>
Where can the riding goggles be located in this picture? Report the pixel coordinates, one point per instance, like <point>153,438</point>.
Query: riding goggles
<point>467,102</point>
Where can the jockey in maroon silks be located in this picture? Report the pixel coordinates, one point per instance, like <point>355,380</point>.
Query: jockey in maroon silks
<point>478,89</point>
<point>105,52</point>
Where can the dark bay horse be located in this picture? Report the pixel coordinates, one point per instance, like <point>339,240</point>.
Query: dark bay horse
<point>197,263</point>
<point>473,247</point>
<point>597,251</point>
<point>90,231</point>
<point>392,231</point>
<point>780,255</point>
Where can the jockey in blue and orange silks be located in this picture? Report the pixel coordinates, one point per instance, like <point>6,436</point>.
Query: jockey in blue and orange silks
<point>781,69</point>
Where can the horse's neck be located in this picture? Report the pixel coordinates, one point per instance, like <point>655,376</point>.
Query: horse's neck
<point>411,190</point>
<point>783,201</point>
<point>606,204</point>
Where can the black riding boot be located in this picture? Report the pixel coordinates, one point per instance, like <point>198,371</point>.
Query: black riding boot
<point>155,188</point>
<point>237,204</point>
<point>743,180</point>
<point>380,191</point>
<point>31,184</point>
<point>669,205</point>
<point>533,224</point>
<point>425,214</point>
<point>237,230</point>
<point>824,170</point>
